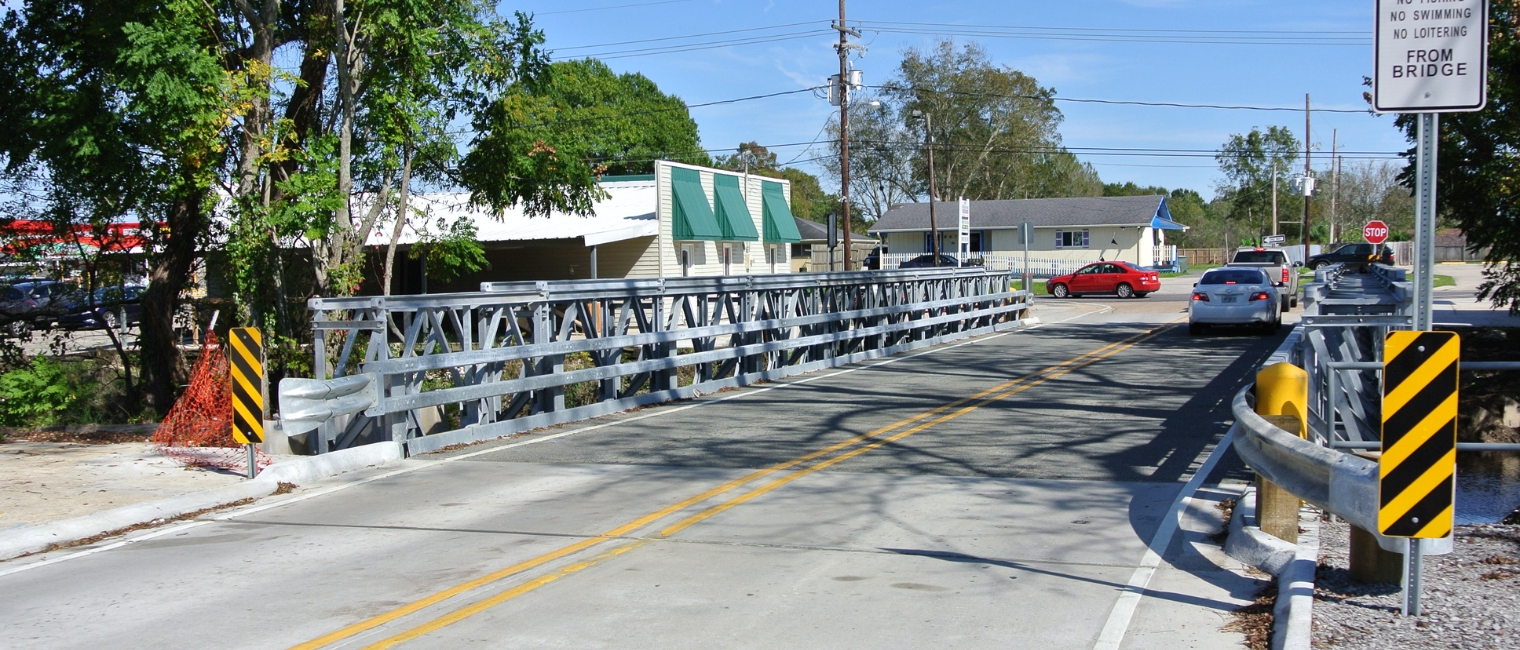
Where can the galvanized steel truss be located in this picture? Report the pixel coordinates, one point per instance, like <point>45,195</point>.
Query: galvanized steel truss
<point>457,368</point>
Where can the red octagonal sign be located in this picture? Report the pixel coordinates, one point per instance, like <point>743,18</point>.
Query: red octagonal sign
<point>1375,232</point>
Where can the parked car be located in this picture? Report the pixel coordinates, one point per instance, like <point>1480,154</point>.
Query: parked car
<point>1357,255</point>
<point>1118,278</point>
<point>926,261</point>
<point>1274,261</point>
<point>872,262</point>
<point>1236,297</point>
<point>28,305</point>
<point>114,307</point>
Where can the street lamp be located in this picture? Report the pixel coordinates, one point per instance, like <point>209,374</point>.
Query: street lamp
<point>929,145</point>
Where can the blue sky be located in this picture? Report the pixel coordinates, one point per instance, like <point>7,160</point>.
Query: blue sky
<point>1136,68</point>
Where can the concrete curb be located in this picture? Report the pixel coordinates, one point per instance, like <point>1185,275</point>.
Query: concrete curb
<point>1294,566</point>
<point>32,539</point>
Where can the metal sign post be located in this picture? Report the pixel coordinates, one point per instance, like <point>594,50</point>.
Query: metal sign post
<point>1428,58</point>
<point>1026,229</point>
<point>963,233</point>
<point>833,238</point>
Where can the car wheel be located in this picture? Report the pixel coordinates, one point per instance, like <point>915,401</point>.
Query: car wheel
<point>1293,302</point>
<point>1283,304</point>
<point>1142,294</point>
<point>1124,290</point>
<point>19,328</point>
<point>111,321</point>
<point>1060,291</point>
<point>1195,329</point>
<point>1318,265</point>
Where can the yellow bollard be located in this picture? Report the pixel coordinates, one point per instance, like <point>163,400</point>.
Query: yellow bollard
<point>1283,389</point>
<point>1282,397</point>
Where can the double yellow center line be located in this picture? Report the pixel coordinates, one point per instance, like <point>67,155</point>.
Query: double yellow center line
<point>907,426</point>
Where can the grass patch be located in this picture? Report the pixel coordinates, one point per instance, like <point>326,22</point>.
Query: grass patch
<point>1445,281</point>
<point>1039,287</point>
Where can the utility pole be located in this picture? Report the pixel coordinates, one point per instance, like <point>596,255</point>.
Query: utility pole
<point>1274,196</point>
<point>1335,178</point>
<point>845,86</point>
<point>929,145</point>
<point>1308,192</point>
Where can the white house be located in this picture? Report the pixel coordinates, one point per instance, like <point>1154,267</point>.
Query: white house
<point>1070,230</point>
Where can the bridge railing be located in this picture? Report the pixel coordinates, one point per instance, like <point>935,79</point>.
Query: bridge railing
<point>450,369</point>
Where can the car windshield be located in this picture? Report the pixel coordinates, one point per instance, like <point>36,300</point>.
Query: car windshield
<point>1233,276</point>
<point>1260,257</point>
<point>13,294</point>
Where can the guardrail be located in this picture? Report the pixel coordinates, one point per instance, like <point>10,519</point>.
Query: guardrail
<point>1339,344</point>
<point>458,368</point>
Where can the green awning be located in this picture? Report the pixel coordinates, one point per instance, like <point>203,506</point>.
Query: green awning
<point>733,214</point>
<point>692,217</point>
<point>779,226</point>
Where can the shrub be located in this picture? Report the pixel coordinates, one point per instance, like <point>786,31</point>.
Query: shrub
<point>41,394</point>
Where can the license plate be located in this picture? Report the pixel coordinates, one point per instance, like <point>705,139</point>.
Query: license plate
<point>1230,299</point>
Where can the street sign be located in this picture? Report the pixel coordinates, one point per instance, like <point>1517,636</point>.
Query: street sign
<point>1274,240</point>
<point>1375,232</point>
<point>964,233</point>
<point>245,360</point>
<point>1430,57</point>
<point>1417,469</point>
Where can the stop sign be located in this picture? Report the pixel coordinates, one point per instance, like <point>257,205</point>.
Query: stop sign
<point>1375,232</point>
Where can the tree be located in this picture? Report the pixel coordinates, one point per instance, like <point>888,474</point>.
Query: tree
<point>1129,188</point>
<point>1247,162</point>
<point>809,201</point>
<point>125,120</point>
<point>995,129</point>
<point>885,168</point>
<point>1478,174</point>
<point>1370,190</point>
<point>581,121</point>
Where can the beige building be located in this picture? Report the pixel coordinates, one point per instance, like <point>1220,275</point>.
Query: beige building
<point>1069,231</point>
<point>682,220</point>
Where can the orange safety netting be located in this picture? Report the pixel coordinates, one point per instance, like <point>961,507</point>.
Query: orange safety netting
<point>198,429</point>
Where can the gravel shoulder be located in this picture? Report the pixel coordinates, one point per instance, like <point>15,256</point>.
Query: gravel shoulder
<point>48,481</point>
<point>1471,597</point>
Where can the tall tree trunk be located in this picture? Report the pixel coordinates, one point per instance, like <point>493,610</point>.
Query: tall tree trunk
<point>403,213</point>
<point>163,369</point>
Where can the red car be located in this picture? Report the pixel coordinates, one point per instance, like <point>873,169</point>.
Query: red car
<point>1117,278</point>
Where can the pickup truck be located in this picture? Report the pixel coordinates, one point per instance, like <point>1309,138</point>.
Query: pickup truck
<point>1282,272</point>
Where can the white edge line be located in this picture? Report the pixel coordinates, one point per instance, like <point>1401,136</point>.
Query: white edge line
<point>1124,608</point>
<point>423,464</point>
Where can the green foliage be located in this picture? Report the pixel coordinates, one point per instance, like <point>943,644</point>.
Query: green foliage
<point>1247,162</point>
<point>452,251</point>
<point>41,394</point>
<point>584,120</point>
<point>1129,188</point>
<point>1479,174</point>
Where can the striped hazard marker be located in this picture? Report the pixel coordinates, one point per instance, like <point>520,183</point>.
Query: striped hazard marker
<point>1418,466</point>
<point>246,364</point>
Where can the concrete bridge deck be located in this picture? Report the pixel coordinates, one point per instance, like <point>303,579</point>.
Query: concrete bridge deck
<point>1001,492</point>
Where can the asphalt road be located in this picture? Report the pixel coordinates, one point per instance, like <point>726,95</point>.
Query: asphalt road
<point>994,493</point>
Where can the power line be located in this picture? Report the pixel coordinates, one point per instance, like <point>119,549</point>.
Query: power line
<point>604,8</point>
<point>1117,29</point>
<point>1075,100</point>
<point>688,36</point>
<point>1204,37</point>
<point>689,47</point>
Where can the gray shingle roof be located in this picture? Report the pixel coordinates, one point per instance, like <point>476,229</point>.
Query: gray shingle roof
<point>813,232</point>
<point>1078,211</point>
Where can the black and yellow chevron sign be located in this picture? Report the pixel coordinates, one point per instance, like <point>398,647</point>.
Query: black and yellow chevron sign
<point>1418,467</point>
<point>246,358</point>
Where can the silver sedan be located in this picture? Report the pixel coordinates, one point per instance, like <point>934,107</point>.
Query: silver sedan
<point>1234,296</point>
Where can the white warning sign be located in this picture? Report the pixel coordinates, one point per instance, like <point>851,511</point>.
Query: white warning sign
<point>1430,56</point>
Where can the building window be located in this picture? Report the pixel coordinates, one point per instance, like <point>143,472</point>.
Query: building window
<point>1071,239</point>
